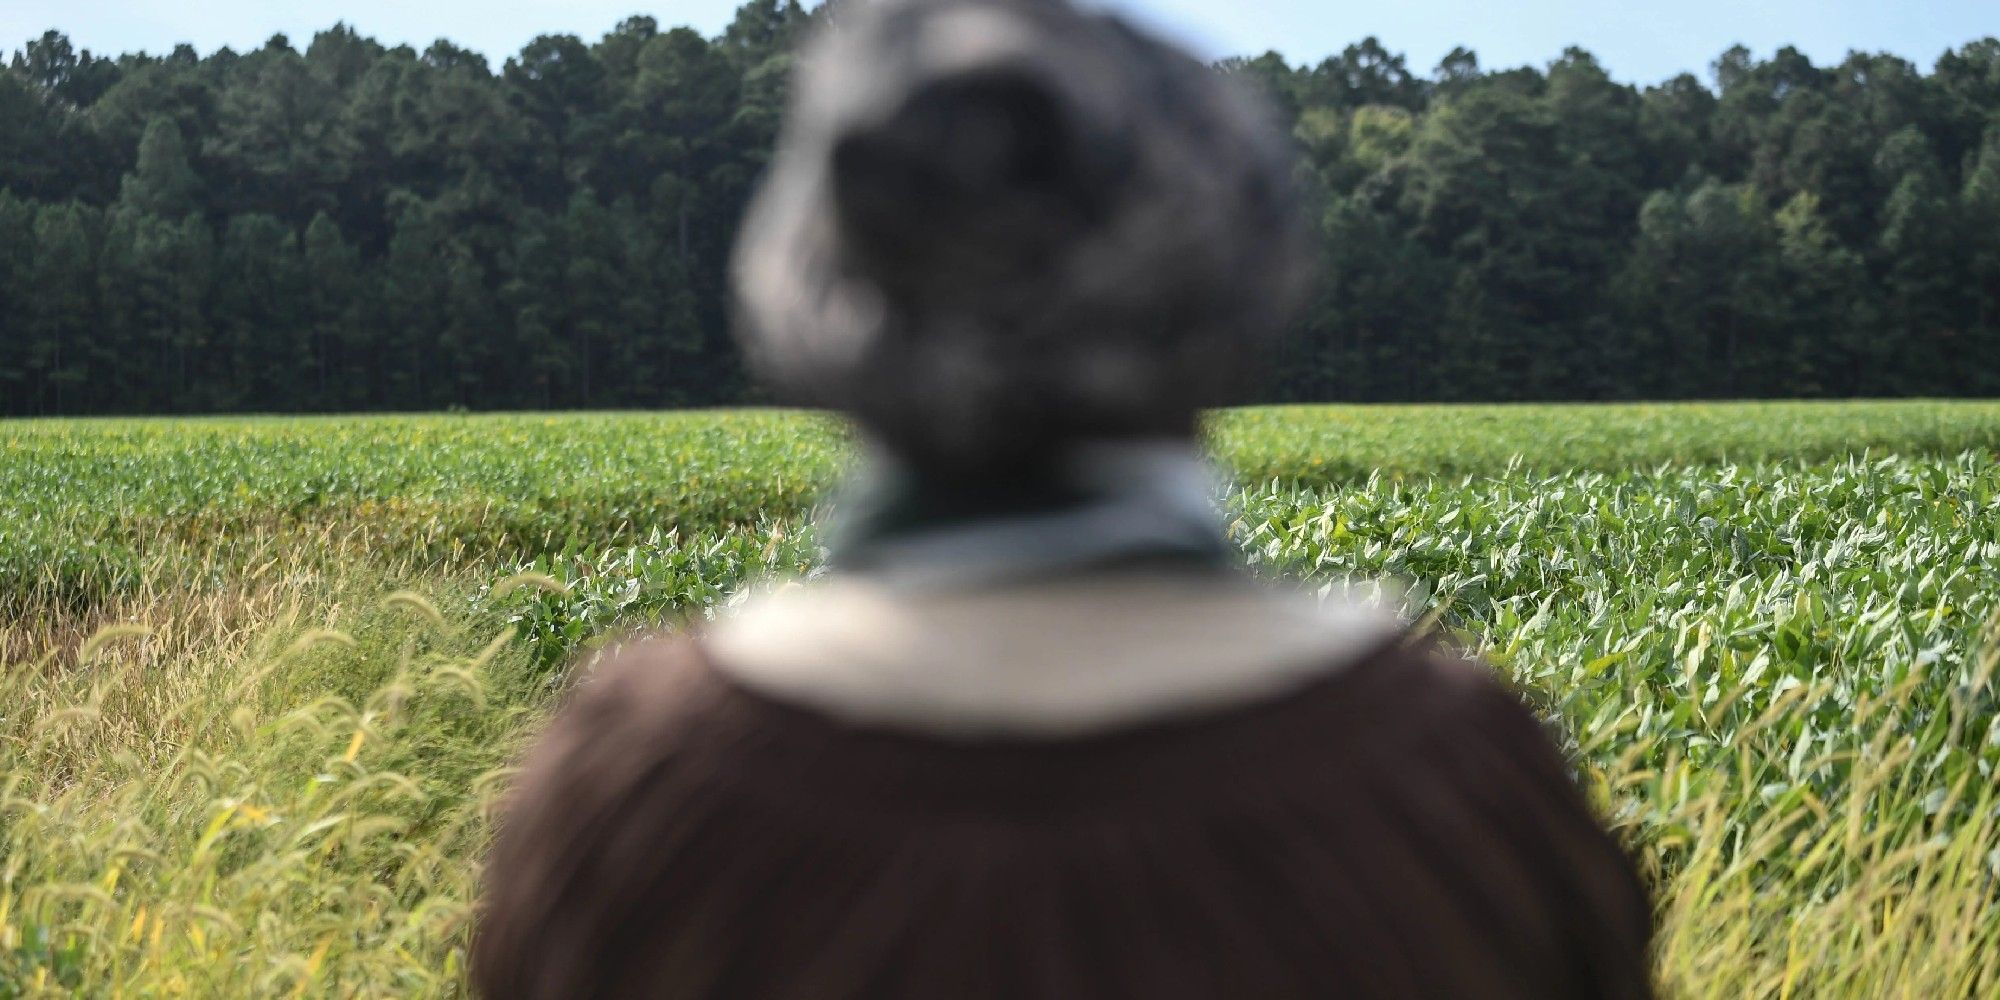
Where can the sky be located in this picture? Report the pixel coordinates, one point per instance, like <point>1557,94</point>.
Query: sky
<point>1642,41</point>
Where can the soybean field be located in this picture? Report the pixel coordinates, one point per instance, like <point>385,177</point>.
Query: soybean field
<point>261,680</point>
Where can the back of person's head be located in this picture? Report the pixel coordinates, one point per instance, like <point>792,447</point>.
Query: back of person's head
<point>995,228</point>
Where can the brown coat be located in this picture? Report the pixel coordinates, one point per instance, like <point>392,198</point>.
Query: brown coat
<point>1402,827</point>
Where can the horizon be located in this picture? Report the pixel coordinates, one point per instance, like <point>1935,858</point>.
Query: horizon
<point>1637,44</point>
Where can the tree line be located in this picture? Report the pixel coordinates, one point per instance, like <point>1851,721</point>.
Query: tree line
<point>353,226</point>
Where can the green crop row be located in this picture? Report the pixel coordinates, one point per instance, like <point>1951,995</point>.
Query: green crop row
<point>84,504</point>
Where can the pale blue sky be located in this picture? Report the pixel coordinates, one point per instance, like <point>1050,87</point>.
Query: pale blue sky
<point>1639,40</point>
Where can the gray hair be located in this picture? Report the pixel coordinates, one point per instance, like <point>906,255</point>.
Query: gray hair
<point>994,228</point>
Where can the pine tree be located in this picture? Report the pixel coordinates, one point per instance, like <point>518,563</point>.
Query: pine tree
<point>763,29</point>
<point>473,330</point>
<point>191,257</point>
<point>63,308</point>
<point>280,142</point>
<point>17,249</point>
<point>1920,268</point>
<point>559,86</point>
<point>1830,343</point>
<point>162,184</point>
<point>539,304</point>
<point>31,147</point>
<point>1979,214</point>
<point>132,292</point>
<point>259,327</point>
<point>414,300</point>
<point>333,293</point>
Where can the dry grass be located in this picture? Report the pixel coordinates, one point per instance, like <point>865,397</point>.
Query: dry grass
<point>1779,892</point>
<point>274,787</point>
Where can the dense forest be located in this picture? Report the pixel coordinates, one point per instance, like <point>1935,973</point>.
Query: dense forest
<point>349,226</point>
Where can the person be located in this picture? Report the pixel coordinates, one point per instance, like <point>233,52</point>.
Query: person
<point>1036,733</point>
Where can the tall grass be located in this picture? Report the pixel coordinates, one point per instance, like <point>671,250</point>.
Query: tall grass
<point>275,788</point>
<point>1878,884</point>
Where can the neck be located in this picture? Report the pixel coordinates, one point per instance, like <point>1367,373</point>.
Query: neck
<point>1098,503</point>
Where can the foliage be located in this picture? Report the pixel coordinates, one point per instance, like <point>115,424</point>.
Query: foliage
<point>1349,444</point>
<point>256,761</point>
<point>454,491</point>
<point>449,489</point>
<point>583,598</point>
<point>348,226</point>
<point>228,800</point>
<point>1778,680</point>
